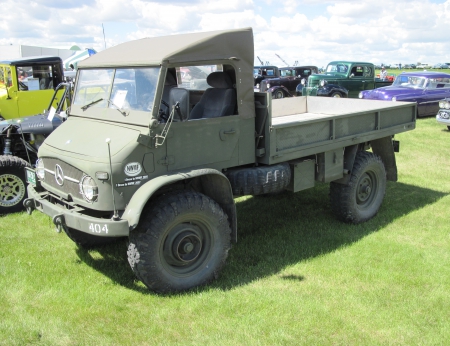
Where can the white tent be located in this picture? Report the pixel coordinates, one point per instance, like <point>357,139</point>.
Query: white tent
<point>76,57</point>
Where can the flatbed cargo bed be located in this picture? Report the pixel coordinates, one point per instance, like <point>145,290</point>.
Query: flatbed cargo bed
<point>308,125</point>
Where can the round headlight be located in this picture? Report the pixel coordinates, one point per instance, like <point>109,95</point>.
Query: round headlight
<point>360,95</point>
<point>40,171</point>
<point>257,85</point>
<point>323,82</point>
<point>447,105</point>
<point>444,104</point>
<point>88,188</point>
<point>394,98</point>
<point>268,85</point>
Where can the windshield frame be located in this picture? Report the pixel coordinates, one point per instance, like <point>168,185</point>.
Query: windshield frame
<point>119,93</point>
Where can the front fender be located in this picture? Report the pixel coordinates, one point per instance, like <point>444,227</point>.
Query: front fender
<point>328,89</point>
<point>213,184</point>
<point>277,87</point>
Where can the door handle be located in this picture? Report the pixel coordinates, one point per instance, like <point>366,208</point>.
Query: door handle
<point>223,134</point>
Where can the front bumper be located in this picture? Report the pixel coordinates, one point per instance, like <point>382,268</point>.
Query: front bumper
<point>443,117</point>
<point>74,217</point>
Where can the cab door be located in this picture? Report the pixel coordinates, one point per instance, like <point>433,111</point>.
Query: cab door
<point>202,143</point>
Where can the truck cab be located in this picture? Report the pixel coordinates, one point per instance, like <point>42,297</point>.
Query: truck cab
<point>27,85</point>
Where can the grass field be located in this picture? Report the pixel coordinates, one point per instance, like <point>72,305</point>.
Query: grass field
<point>297,276</point>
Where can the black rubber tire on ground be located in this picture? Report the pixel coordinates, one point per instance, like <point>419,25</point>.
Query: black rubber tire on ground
<point>279,94</point>
<point>360,199</point>
<point>336,94</point>
<point>87,240</point>
<point>448,128</point>
<point>13,188</point>
<point>181,242</point>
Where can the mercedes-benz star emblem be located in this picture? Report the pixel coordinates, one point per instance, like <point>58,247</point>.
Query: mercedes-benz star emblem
<point>59,175</point>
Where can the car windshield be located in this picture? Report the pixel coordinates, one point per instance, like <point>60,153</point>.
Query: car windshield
<point>340,68</point>
<point>416,82</point>
<point>124,88</point>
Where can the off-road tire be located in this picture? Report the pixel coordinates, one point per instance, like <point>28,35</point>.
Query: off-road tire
<point>87,240</point>
<point>278,94</point>
<point>448,128</point>
<point>360,199</point>
<point>336,94</point>
<point>13,187</point>
<point>261,180</point>
<point>181,242</point>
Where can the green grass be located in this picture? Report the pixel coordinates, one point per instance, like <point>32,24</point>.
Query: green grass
<point>296,276</point>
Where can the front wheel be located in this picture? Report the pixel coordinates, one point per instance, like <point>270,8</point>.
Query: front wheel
<point>12,184</point>
<point>336,94</point>
<point>448,128</point>
<point>181,242</point>
<point>279,94</point>
<point>359,199</point>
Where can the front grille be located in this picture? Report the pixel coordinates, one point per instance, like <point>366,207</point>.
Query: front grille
<point>312,82</point>
<point>263,86</point>
<point>62,176</point>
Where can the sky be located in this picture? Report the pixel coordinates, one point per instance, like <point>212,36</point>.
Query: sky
<point>309,32</point>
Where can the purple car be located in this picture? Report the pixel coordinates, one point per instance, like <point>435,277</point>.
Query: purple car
<point>424,88</point>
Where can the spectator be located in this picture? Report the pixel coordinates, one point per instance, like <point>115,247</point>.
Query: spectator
<point>383,73</point>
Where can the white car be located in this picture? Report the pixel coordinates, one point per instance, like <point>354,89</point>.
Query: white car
<point>443,116</point>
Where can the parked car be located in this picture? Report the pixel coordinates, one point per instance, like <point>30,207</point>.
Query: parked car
<point>424,88</point>
<point>409,66</point>
<point>443,115</point>
<point>27,84</point>
<point>440,66</point>
<point>423,65</point>
<point>289,78</point>
<point>342,79</point>
<point>20,140</point>
<point>264,72</point>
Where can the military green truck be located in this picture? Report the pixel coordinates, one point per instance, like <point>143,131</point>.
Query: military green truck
<point>142,158</point>
<point>342,79</point>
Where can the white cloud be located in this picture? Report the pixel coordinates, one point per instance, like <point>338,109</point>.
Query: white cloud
<point>310,31</point>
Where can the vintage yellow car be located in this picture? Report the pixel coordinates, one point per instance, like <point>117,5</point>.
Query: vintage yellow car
<point>27,85</point>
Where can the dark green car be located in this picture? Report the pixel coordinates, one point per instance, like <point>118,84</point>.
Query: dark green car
<point>342,79</point>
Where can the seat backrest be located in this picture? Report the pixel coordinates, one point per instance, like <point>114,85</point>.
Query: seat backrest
<point>180,96</point>
<point>218,101</point>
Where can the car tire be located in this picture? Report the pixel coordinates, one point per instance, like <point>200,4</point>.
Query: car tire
<point>279,94</point>
<point>13,188</point>
<point>448,127</point>
<point>181,242</point>
<point>336,94</point>
<point>360,199</point>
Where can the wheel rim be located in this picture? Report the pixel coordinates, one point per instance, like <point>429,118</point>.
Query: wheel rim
<point>367,189</point>
<point>337,95</point>
<point>279,95</point>
<point>12,190</point>
<point>185,248</point>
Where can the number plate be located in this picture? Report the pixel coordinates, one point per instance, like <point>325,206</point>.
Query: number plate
<point>31,177</point>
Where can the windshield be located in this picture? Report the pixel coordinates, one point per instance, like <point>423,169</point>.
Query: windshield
<point>410,81</point>
<point>124,88</point>
<point>340,68</point>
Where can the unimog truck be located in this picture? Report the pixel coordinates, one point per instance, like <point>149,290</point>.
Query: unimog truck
<point>142,158</point>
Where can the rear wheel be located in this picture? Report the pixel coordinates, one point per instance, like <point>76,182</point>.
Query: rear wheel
<point>181,242</point>
<point>12,184</point>
<point>359,199</point>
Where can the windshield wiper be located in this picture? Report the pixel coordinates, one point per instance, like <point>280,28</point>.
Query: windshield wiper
<point>118,108</point>
<point>90,104</point>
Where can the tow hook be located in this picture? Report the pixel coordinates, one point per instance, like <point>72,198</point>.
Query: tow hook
<point>29,205</point>
<point>58,220</point>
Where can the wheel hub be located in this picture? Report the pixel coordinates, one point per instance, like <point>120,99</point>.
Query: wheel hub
<point>183,245</point>
<point>12,190</point>
<point>364,189</point>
